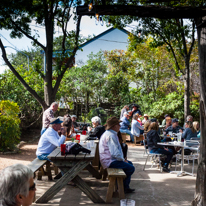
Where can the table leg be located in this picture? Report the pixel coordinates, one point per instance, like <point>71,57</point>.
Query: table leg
<point>67,177</point>
<point>94,172</point>
<point>182,172</point>
<point>87,190</point>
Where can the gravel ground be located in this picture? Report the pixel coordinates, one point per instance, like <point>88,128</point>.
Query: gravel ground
<point>27,152</point>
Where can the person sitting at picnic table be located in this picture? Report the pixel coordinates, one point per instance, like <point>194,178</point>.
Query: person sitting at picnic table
<point>196,126</point>
<point>48,115</point>
<point>174,128</point>
<point>97,130</point>
<point>67,125</point>
<point>146,126</point>
<point>50,139</point>
<point>123,145</point>
<point>168,122</point>
<point>146,117</point>
<point>123,110</point>
<point>164,120</point>
<point>125,126</point>
<point>74,123</point>
<point>152,139</point>
<point>17,186</point>
<point>136,127</point>
<point>110,151</point>
<point>189,131</point>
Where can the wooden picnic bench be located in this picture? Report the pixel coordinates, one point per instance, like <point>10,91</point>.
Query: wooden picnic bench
<point>138,139</point>
<point>38,165</point>
<point>115,176</point>
<point>71,166</point>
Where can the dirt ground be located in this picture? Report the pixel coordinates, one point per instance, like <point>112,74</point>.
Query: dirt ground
<point>27,152</point>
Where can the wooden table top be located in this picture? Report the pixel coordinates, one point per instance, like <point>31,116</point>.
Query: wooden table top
<point>56,154</point>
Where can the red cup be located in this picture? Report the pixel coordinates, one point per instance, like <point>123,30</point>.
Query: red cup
<point>63,149</point>
<point>84,132</point>
<point>78,137</point>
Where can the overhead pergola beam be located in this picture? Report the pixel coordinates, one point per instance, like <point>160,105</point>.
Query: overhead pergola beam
<point>143,11</point>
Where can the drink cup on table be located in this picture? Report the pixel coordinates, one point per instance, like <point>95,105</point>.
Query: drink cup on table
<point>78,137</point>
<point>88,145</point>
<point>92,143</point>
<point>84,132</point>
<point>63,149</point>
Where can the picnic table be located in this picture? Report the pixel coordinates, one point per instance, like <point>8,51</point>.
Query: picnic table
<point>71,166</point>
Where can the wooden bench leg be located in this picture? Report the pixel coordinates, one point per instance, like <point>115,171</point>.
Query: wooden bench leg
<point>135,140</point>
<point>40,173</point>
<point>56,170</point>
<point>103,172</point>
<point>48,171</point>
<point>110,189</point>
<point>120,188</point>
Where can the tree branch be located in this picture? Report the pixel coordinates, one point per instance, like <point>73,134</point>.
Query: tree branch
<point>59,78</point>
<point>26,86</point>
<point>27,35</point>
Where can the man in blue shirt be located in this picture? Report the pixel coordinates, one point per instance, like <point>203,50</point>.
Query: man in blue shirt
<point>50,139</point>
<point>125,126</point>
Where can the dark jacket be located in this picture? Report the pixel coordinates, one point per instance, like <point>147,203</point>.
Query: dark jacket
<point>75,124</point>
<point>152,139</point>
<point>173,130</point>
<point>98,131</point>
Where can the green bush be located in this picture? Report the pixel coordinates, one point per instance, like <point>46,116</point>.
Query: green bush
<point>9,125</point>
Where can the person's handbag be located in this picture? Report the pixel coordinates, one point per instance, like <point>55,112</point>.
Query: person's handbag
<point>75,149</point>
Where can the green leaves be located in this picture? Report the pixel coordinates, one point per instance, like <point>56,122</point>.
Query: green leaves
<point>9,125</point>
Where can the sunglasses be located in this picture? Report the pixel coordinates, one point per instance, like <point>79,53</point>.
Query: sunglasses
<point>33,187</point>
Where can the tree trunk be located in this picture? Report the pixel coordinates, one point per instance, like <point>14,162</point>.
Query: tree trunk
<point>49,97</point>
<point>200,194</point>
<point>187,89</point>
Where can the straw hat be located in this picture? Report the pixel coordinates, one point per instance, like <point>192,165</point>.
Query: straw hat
<point>112,121</point>
<point>146,115</point>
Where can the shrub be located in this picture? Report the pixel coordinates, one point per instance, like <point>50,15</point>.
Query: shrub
<point>9,125</point>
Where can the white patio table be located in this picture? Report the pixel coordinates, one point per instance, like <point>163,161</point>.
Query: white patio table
<point>179,144</point>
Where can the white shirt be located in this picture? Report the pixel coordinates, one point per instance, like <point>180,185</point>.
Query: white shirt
<point>49,141</point>
<point>135,128</point>
<point>109,148</point>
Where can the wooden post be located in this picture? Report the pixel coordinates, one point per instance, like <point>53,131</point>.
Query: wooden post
<point>200,194</point>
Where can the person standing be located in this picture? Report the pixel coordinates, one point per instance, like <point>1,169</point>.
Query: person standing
<point>48,115</point>
<point>110,151</point>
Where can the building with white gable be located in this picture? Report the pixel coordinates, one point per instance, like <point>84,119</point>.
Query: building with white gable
<point>109,40</point>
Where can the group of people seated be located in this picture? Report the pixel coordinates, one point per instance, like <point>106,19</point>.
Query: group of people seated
<point>112,149</point>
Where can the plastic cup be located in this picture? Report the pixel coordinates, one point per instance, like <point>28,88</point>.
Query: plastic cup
<point>84,132</point>
<point>92,143</point>
<point>63,149</point>
<point>88,145</point>
<point>78,137</point>
<point>127,202</point>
